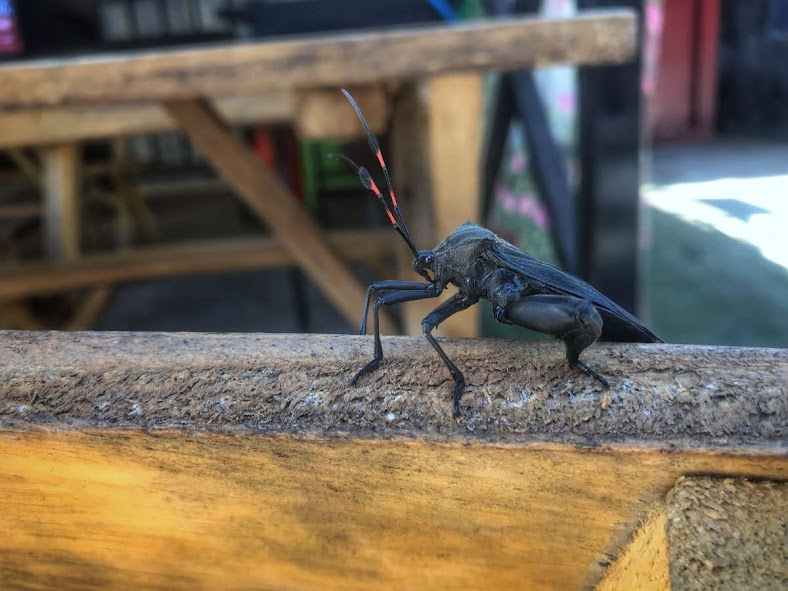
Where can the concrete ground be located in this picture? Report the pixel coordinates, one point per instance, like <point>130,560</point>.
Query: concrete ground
<point>715,268</point>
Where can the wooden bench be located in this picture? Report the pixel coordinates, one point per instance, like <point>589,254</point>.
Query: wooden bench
<point>436,123</point>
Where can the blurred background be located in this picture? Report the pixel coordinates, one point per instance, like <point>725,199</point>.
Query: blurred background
<point>664,182</point>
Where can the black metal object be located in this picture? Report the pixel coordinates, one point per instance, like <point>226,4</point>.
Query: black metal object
<point>753,68</point>
<point>610,145</point>
<point>273,17</point>
<point>517,94</point>
<point>549,167</point>
<point>595,232</point>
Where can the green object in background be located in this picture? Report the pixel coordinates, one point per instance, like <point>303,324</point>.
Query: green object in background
<point>321,172</point>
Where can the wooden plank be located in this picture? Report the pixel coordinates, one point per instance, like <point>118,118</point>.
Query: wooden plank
<point>166,510</point>
<point>437,137</point>
<point>268,198</point>
<point>68,123</point>
<point>325,113</point>
<point>89,310</point>
<point>311,62</point>
<point>679,395</point>
<point>314,113</point>
<point>711,533</point>
<point>455,116</point>
<point>540,484</point>
<point>172,260</point>
<point>61,197</point>
<point>643,565</point>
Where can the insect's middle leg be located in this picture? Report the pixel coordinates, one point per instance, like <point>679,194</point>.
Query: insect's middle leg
<point>386,287</point>
<point>427,291</point>
<point>573,320</point>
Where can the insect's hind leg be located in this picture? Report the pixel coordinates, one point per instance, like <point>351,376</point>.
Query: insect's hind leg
<point>573,320</point>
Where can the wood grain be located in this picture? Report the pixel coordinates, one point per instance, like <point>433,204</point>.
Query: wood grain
<point>273,203</point>
<point>115,510</point>
<point>61,187</point>
<point>357,58</point>
<point>455,116</point>
<point>660,395</point>
<point>173,260</point>
<point>643,565</point>
<point>69,123</point>
<point>728,534</point>
<point>326,114</point>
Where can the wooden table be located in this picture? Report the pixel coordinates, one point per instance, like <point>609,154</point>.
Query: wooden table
<point>437,118</point>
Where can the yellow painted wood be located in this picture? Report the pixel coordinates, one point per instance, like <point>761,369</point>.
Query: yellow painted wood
<point>644,565</point>
<point>115,510</point>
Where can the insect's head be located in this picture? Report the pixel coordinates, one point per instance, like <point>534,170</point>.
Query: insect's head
<point>423,263</point>
<point>423,259</point>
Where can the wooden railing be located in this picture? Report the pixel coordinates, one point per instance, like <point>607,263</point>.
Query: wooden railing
<point>237,461</point>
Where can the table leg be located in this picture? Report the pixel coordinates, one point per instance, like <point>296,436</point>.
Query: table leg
<point>60,166</point>
<point>273,203</point>
<point>437,143</point>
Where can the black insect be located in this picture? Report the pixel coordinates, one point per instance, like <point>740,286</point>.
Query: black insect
<point>523,290</point>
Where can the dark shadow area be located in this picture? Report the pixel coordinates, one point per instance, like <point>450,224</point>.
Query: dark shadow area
<point>707,288</point>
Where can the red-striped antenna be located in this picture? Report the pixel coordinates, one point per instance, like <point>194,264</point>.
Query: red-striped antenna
<point>366,179</point>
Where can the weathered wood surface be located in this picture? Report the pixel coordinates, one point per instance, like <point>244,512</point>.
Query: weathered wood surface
<point>728,534</point>
<point>188,258</point>
<point>540,484</point>
<point>663,394</point>
<point>81,122</point>
<point>709,533</point>
<point>359,58</point>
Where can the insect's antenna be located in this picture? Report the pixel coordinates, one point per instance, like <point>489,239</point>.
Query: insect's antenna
<point>368,183</point>
<point>375,146</point>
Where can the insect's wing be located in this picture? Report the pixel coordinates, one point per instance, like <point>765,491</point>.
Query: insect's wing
<point>618,324</point>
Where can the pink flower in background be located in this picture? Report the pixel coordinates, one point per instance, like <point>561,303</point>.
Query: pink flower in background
<point>566,102</point>
<point>532,208</point>
<point>507,200</point>
<point>654,18</point>
<point>518,162</point>
<point>525,204</point>
<point>540,217</point>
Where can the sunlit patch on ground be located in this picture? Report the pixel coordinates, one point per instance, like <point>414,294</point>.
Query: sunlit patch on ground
<point>753,210</point>
<point>716,268</point>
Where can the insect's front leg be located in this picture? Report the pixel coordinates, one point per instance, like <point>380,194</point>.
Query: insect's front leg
<point>573,320</point>
<point>387,286</point>
<point>457,303</point>
<point>427,291</point>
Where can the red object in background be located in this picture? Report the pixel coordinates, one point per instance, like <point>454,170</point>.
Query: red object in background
<point>271,151</point>
<point>683,103</point>
<point>10,35</point>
